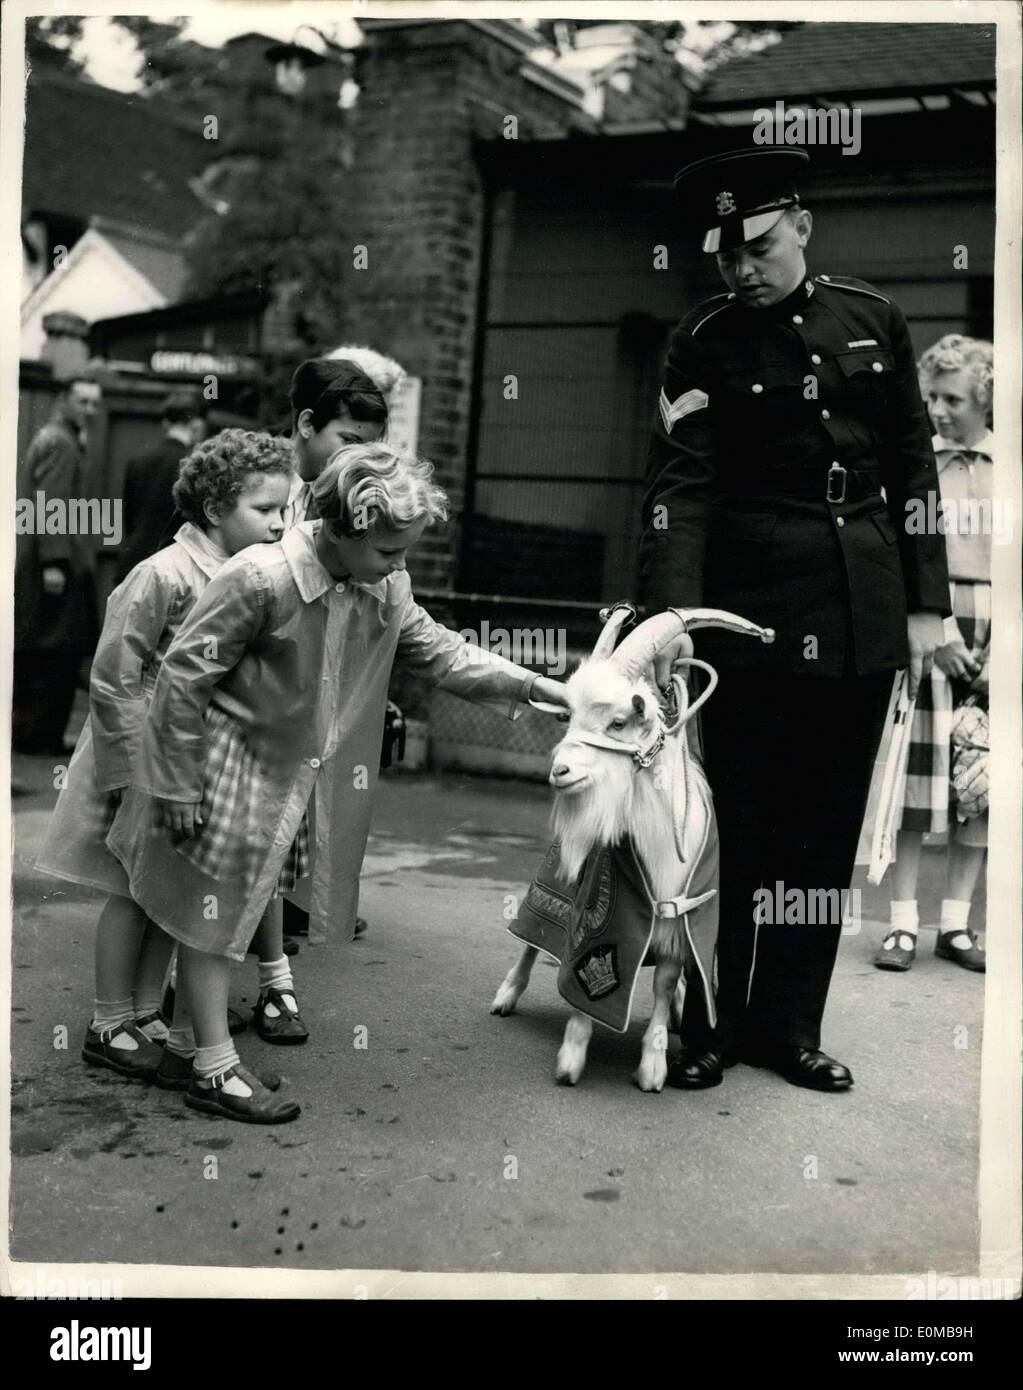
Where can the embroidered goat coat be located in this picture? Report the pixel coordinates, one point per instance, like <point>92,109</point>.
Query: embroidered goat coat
<point>301,663</point>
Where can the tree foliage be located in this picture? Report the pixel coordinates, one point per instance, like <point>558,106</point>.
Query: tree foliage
<point>274,183</point>
<point>49,40</point>
<point>676,36</point>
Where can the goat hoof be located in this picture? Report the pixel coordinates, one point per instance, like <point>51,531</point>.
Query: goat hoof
<point>504,1002</point>
<point>569,1069</point>
<point>651,1076</point>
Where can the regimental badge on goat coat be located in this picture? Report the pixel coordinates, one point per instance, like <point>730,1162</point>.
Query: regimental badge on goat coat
<point>600,928</point>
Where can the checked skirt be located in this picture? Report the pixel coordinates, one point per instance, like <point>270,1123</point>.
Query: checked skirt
<point>928,801</point>
<point>229,845</point>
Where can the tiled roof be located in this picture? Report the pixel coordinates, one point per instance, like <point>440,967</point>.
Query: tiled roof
<point>161,262</point>
<point>90,150</point>
<point>821,59</point>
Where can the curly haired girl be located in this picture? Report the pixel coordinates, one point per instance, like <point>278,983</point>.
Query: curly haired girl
<point>232,490</point>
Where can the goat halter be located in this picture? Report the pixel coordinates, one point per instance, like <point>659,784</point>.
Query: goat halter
<point>644,754</point>
<point>641,754</point>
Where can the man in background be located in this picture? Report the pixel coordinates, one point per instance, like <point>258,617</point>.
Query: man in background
<point>148,504</point>
<point>54,605</point>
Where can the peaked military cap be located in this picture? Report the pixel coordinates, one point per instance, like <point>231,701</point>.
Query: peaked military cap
<point>734,197</point>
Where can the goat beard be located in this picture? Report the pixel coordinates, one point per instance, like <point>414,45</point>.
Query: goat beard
<point>597,815</point>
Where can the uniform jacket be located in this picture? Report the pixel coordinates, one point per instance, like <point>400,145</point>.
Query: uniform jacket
<point>148,501</point>
<point>301,663</point>
<point>757,407</point>
<point>54,466</point>
<point>143,615</point>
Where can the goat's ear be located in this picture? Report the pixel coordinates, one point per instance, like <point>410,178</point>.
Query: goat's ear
<point>547,707</point>
<point>639,705</point>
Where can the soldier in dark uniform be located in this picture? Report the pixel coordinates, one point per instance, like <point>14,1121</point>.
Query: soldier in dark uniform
<point>790,437</point>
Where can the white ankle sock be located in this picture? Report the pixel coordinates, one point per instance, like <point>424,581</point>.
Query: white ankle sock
<point>210,1061</point>
<point>276,974</point>
<point>905,923</point>
<point>111,1014</point>
<point>181,1041</point>
<point>955,916</point>
<point>905,915</point>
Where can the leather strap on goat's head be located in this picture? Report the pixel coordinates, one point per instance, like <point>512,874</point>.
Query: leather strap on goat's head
<point>643,755</point>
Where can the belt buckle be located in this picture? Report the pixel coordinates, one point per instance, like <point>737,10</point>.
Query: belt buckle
<point>836,472</point>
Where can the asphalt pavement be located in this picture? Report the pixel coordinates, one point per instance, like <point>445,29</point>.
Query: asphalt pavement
<point>444,1143</point>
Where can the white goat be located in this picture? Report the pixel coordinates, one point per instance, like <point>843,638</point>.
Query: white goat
<point>656,794</point>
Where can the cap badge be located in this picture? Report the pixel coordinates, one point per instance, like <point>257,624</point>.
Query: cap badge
<point>724,204</point>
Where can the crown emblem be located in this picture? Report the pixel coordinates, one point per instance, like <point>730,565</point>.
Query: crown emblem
<point>724,204</point>
<point>597,973</point>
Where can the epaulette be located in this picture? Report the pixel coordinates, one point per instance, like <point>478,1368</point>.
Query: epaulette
<point>697,317</point>
<point>849,282</point>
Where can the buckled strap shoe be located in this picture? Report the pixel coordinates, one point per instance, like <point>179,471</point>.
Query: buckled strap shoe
<point>970,957</point>
<point>261,1108</point>
<point>175,1072</point>
<point>898,951</point>
<point>140,1062</point>
<point>803,1066</point>
<point>287,1028</point>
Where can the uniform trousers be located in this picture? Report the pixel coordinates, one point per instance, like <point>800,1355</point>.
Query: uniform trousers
<point>789,760</point>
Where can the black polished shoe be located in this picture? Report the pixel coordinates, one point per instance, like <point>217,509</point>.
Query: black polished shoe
<point>696,1071</point>
<point>803,1066</point>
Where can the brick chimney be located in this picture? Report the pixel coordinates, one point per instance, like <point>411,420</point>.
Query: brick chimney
<point>429,89</point>
<point>66,346</point>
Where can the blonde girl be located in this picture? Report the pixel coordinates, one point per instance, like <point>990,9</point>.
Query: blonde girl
<point>956,376</point>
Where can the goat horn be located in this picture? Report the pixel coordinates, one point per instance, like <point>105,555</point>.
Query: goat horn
<point>614,619</point>
<point>642,645</point>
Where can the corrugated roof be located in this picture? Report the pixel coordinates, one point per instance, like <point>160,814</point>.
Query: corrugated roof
<point>822,59</point>
<point>91,150</point>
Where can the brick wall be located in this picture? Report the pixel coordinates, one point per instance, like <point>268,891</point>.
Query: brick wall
<point>429,91</point>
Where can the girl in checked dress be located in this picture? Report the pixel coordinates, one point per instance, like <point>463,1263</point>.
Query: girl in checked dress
<point>262,740</point>
<point>956,377</point>
<point>232,489</point>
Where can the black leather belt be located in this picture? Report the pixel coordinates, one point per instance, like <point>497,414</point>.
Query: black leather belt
<point>838,484</point>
